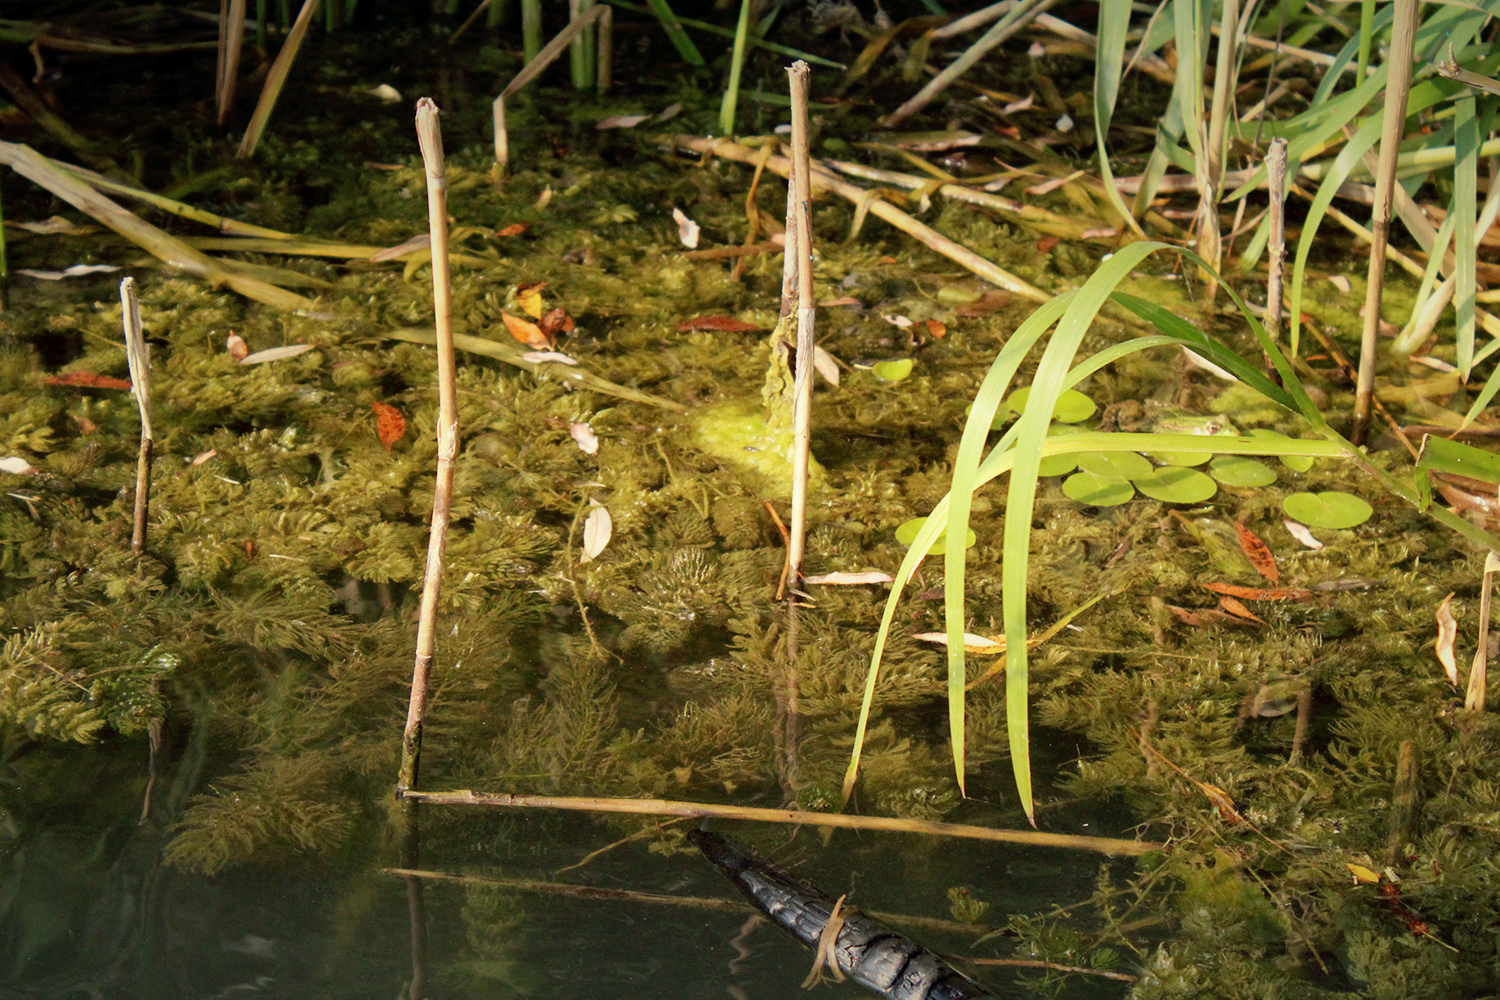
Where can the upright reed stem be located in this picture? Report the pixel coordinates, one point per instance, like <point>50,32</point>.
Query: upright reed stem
<point>430,138</point>
<point>140,381</point>
<point>801,194</point>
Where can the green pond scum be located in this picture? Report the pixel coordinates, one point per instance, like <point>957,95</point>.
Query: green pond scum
<point>268,628</point>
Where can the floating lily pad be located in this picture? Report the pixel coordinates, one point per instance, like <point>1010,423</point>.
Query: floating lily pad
<point>1297,463</point>
<point>1114,464</point>
<point>1096,490</point>
<point>907,533</point>
<point>1175,484</point>
<point>892,371</point>
<point>1240,470</point>
<point>1072,407</point>
<point>1330,509</point>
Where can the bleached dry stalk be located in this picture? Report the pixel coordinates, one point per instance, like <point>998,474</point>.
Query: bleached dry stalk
<point>1276,250</point>
<point>430,138</point>
<point>800,193</point>
<point>140,382</point>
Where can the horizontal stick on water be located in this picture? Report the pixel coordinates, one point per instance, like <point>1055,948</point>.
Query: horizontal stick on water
<point>704,810</point>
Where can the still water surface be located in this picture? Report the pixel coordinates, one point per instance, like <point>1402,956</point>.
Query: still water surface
<point>88,909</point>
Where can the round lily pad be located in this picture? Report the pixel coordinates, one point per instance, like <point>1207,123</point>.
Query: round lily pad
<point>1096,490</point>
<point>1240,470</point>
<point>907,533</point>
<point>1072,407</point>
<point>892,371</point>
<point>1175,484</point>
<point>1297,463</point>
<point>1060,465</point>
<point>1114,464</point>
<point>1330,509</point>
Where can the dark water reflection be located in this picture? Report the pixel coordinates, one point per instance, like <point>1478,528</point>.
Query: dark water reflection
<point>87,908</point>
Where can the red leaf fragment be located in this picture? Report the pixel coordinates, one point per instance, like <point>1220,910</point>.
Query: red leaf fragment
<point>935,328</point>
<point>556,321</point>
<point>514,229</point>
<point>1258,552</point>
<point>724,324</point>
<point>1234,607</point>
<point>389,423</point>
<point>87,380</point>
<point>1046,244</point>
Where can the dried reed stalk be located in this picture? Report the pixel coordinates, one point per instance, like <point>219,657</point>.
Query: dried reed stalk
<point>1392,130</point>
<point>800,207</point>
<point>795,817</point>
<point>231,40</point>
<point>430,138</point>
<point>1276,247</point>
<point>531,70</point>
<point>140,382</point>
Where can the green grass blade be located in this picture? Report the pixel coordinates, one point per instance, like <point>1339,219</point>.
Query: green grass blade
<point>1464,207</point>
<point>736,65</point>
<point>675,33</point>
<point>1109,65</point>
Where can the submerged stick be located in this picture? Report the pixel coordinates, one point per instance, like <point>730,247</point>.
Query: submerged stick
<point>430,137</point>
<point>140,384</point>
<point>820,181</point>
<point>1392,130</point>
<point>795,817</point>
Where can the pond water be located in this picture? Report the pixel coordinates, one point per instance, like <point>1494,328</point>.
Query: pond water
<point>89,910</point>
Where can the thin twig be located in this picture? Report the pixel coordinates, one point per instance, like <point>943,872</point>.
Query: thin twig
<point>430,138</point>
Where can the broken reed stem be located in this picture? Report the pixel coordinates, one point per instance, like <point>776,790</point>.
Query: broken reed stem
<point>430,138</point>
<point>231,41</point>
<point>920,231</point>
<point>1392,129</point>
<point>1276,265</point>
<point>275,80</point>
<point>801,194</point>
<point>1479,668</point>
<point>1403,803</point>
<point>140,382</point>
<point>795,817</point>
<point>604,59</point>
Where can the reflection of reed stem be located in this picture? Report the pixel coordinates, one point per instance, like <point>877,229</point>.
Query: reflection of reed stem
<point>429,136</point>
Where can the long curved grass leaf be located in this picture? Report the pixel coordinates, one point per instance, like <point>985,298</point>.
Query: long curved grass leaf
<point>1463,208</point>
<point>1109,63</point>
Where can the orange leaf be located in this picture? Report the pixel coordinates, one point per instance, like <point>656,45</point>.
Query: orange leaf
<point>1258,552</point>
<point>935,328</point>
<point>726,324</point>
<point>514,229</point>
<point>526,332</point>
<point>389,423</point>
<point>1234,607</point>
<point>88,380</point>
<point>1046,244</point>
<point>1260,593</point>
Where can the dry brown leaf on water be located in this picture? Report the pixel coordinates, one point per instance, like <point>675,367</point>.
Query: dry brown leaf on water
<point>723,324</point>
<point>76,271</point>
<point>389,424</point>
<point>1205,617</point>
<point>204,456</point>
<point>588,442</point>
<point>825,365</point>
<point>1258,552</point>
<point>236,347</point>
<point>1447,637</point>
<point>422,241</point>
<point>1362,875</point>
<point>54,226</point>
<point>987,303</point>
<point>555,322</point>
<point>1259,593</point>
<point>276,354</point>
<point>935,328</point>
<point>529,298</point>
<point>897,320</point>
<point>619,121</point>
<point>1047,244</point>
<point>848,579</point>
<point>540,357</point>
<point>514,229</point>
<point>18,466</point>
<point>978,644</point>
<point>597,528</point>
<point>526,332</point>
<point>1234,607</point>
<point>687,229</point>
<point>844,300</point>
<point>1302,534</point>
<point>87,380</point>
